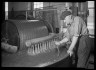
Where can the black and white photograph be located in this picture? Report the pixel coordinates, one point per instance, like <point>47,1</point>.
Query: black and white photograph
<point>48,34</point>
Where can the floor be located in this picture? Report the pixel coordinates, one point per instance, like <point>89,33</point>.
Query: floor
<point>91,62</point>
<point>91,58</point>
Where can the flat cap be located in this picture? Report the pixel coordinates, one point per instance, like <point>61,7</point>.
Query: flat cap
<point>64,14</point>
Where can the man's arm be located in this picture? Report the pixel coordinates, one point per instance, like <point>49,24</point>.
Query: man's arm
<point>74,41</point>
<point>63,40</point>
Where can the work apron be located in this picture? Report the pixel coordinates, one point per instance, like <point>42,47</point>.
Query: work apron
<point>82,51</point>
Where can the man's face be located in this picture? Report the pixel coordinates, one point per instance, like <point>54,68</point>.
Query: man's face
<point>67,20</point>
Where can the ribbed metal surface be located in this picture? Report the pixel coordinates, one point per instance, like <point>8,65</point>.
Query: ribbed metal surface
<point>28,29</point>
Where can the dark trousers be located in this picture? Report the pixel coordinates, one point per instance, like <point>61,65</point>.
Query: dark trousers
<point>82,51</point>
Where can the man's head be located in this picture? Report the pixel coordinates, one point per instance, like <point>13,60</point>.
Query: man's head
<point>67,17</point>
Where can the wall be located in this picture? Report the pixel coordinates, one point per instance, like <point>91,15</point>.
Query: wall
<point>19,6</point>
<point>60,7</point>
<point>10,6</point>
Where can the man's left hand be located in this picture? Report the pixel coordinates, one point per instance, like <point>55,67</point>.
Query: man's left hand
<point>57,43</point>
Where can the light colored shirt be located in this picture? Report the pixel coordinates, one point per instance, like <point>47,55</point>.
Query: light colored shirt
<point>77,28</point>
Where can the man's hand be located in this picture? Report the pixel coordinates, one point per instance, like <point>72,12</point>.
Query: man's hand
<point>57,43</point>
<point>74,41</point>
<point>70,52</point>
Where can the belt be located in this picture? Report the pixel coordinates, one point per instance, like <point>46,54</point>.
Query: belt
<point>82,36</point>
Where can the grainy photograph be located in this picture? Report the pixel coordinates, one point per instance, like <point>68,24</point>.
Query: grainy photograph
<point>48,34</point>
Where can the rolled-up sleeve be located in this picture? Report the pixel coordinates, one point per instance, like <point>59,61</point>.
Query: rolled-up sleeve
<point>77,26</point>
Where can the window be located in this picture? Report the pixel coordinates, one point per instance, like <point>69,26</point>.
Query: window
<point>90,19</point>
<point>6,10</point>
<point>90,4</point>
<point>38,5</point>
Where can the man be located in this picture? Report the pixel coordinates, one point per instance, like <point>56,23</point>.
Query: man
<point>77,34</point>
